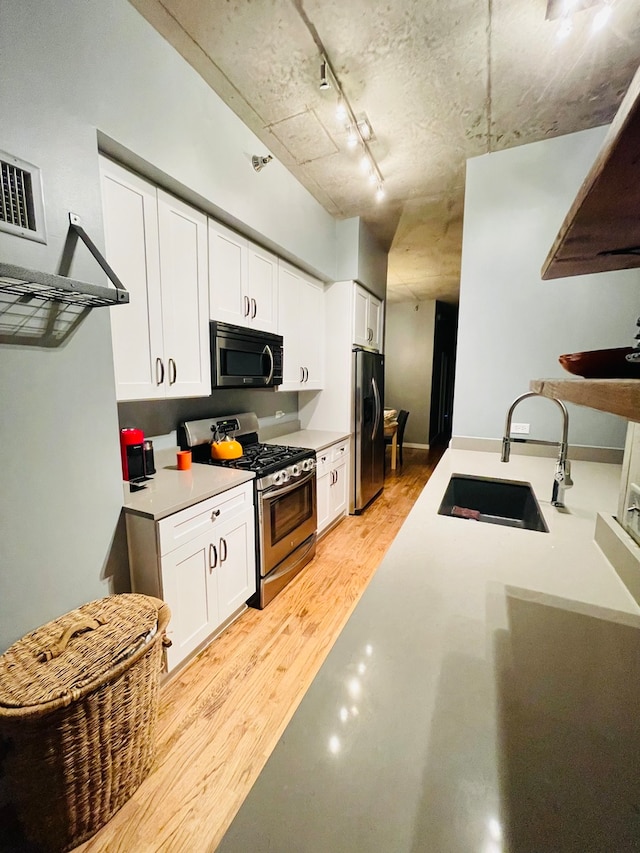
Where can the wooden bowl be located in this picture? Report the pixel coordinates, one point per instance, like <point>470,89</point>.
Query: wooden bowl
<point>601,364</point>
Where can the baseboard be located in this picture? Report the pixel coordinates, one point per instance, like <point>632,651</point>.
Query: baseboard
<point>415,446</point>
<point>621,551</point>
<point>577,452</point>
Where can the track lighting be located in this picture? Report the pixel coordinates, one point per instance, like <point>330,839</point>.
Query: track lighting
<point>359,131</point>
<point>260,162</point>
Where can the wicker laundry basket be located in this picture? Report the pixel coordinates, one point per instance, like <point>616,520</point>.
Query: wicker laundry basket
<point>78,707</point>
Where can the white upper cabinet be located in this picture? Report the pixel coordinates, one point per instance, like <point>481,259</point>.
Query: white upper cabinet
<point>158,246</point>
<point>367,319</point>
<point>301,323</point>
<point>185,304</point>
<point>243,281</point>
<point>262,289</point>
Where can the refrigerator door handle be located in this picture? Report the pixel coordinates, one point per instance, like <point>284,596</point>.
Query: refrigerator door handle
<point>376,395</point>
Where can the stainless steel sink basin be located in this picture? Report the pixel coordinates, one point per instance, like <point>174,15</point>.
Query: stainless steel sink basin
<point>509,502</point>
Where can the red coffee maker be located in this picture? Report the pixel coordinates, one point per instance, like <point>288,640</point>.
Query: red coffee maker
<point>132,453</point>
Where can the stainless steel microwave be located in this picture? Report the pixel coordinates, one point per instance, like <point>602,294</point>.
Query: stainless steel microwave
<point>244,358</point>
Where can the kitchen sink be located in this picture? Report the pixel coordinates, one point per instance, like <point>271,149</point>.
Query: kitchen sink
<point>509,502</point>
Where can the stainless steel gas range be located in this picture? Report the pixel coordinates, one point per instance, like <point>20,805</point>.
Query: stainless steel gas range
<point>285,496</point>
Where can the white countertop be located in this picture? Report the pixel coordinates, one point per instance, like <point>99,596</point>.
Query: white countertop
<point>483,695</point>
<point>315,439</point>
<point>170,490</point>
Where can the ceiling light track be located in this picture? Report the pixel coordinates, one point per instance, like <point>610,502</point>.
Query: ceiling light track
<point>359,131</point>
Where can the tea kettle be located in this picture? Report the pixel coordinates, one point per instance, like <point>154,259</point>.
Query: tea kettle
<point>225,448</point>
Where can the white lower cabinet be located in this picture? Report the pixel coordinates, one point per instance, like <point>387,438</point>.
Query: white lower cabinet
<point>332,484</point>
<point>201,561</point>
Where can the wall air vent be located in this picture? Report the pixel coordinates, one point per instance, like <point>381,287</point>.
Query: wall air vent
<point>21,200</point>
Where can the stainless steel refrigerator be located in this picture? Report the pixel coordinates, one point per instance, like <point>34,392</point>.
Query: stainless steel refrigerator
<point>368,429</point>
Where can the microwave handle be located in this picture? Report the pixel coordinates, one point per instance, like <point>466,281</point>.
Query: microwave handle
<point>267,349</point>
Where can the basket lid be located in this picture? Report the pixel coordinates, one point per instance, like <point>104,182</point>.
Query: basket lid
<point>63,658</point>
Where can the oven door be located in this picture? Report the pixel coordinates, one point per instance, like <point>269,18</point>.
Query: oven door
<point>287,516</point>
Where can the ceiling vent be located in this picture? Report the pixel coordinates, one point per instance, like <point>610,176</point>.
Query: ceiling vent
<point>21,201</point>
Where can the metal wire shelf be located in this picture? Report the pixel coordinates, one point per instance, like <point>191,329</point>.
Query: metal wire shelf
<point>44,308</point>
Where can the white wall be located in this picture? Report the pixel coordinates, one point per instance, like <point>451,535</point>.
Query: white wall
<point>409,364</point>
<point>512,325</point>
<point>71,69</point>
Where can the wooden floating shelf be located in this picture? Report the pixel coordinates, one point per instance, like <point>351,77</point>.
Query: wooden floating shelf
<point>601,231</point>
<point>617,396</point>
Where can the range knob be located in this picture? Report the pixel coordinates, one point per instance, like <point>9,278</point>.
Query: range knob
<point>307,465</point>
<point>284,475</point>
<point>294,470</point>
<point>277,478</point>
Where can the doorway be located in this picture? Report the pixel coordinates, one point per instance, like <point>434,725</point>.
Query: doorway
<point>443,378</point>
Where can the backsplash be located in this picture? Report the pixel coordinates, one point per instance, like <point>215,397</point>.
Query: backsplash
<point>161,417</point>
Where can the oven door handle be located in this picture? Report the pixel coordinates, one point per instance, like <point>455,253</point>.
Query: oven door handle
<point>267,349</point>
<point>284,490</point>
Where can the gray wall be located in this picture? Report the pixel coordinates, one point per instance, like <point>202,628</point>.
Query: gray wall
<point>409,363</point>
<point>360,258</point>
<point>71,69</point>
<point>513,326</point>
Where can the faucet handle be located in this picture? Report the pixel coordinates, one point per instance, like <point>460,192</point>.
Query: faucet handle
<point>568,482</point>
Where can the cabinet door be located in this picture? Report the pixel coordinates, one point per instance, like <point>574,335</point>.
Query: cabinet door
<point>323,490</point>
<point>361,317</point>
<point>189,588</point>
<point>236,569</point>
<point>311,334</point>
<point>228,297</point>
<point>262,278</point>
<point>131,238</point>
<point>185,309</point>
<point>289,284</point>
<point>339,495</point>
<point>375,323</point>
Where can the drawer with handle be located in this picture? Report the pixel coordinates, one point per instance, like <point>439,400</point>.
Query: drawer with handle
<point>339,451</point>
<point>323,461</point>
<point>202,517</point>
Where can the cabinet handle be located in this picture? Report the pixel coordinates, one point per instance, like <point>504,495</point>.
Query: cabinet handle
<point>302,374</point>
<point>159,371</point>
<point>306,374</point>
<point>173,372</point>
<point>323,458</point>
<point>213,557</point>
<point>223,543</point>
<point>215,514</point>
<point>254,308</point>
<point>247,306</point>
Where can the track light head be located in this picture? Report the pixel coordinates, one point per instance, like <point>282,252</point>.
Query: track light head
<point>260,162</point>
<point>324,80</point>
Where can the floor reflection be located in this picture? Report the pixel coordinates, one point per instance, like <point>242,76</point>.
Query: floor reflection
<point>568,695</point>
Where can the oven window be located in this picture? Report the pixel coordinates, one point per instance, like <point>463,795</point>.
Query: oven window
<point>237,362</point>
<point>290,511</point>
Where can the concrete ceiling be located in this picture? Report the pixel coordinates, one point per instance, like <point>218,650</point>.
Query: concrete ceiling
<point>439,80</point>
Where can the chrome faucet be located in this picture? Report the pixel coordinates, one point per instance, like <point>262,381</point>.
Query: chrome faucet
<point>562,477</point>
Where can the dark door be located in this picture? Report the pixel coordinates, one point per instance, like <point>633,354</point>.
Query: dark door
<point>443,378</point>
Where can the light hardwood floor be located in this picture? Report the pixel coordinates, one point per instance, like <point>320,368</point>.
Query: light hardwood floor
<point>221,717</point>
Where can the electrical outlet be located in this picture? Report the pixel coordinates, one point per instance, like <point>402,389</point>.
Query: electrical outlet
<point>520,429</point>
<point>279,414</point>
<point>632,515</point>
